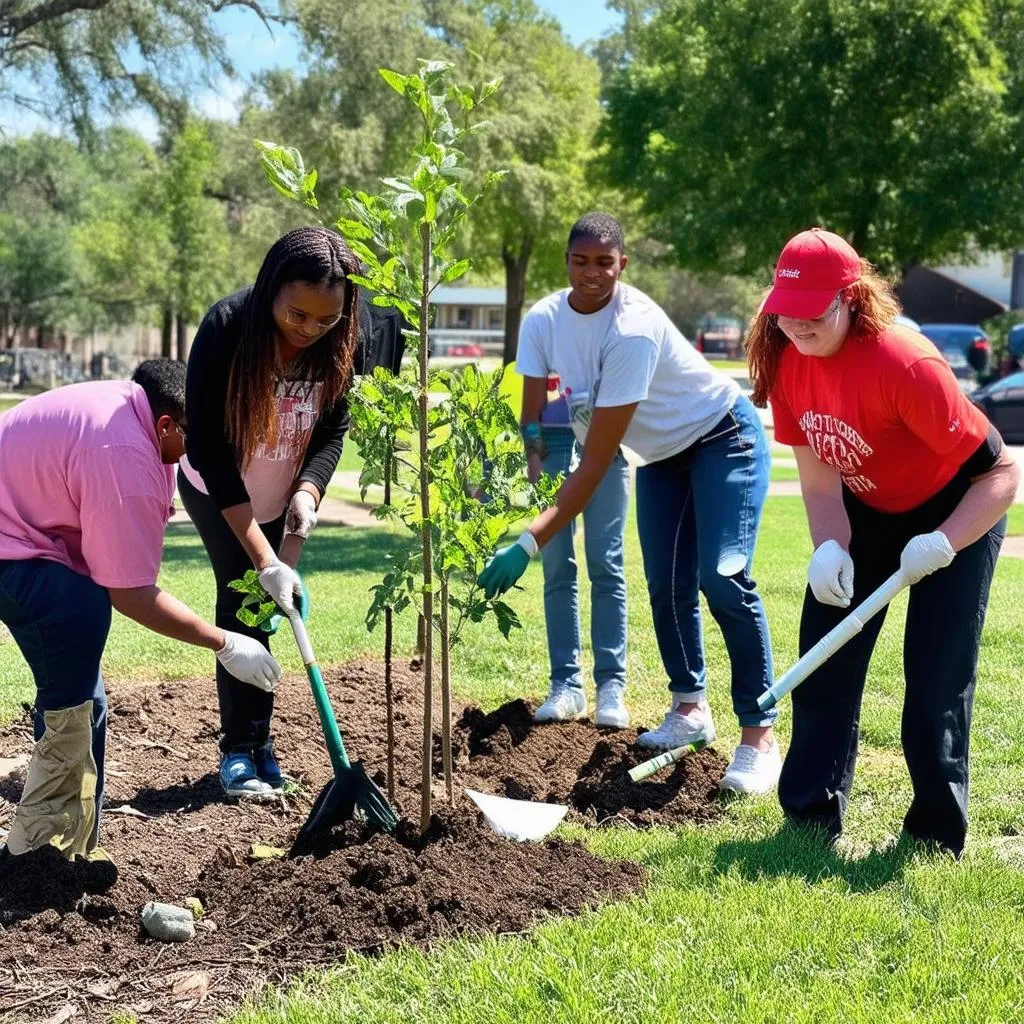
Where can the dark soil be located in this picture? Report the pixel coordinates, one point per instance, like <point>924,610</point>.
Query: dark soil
<point>70,934</point>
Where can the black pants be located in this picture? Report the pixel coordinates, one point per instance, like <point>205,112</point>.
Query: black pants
<point>245,710</point>
<point>940,657</point>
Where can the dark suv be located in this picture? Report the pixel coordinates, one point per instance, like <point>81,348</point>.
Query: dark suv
<point>965,347</point>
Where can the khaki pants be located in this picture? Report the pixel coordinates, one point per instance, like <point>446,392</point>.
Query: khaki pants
<point>58,805</point>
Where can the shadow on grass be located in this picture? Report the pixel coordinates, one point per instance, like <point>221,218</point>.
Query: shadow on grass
<point>329,549</point>
<point>796,852</point>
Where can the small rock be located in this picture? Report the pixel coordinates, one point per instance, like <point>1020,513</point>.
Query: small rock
<point>168,923</point>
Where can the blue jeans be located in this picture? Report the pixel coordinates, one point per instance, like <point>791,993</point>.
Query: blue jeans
<point>60,620</point>
<point>604,522</point>
<point>698,514</point>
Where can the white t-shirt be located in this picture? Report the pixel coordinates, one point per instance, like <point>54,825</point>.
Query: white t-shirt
<point>628,352</point>
<point>269,476</point>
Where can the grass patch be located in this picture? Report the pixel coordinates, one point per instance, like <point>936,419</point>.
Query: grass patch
<point>1015,521</point>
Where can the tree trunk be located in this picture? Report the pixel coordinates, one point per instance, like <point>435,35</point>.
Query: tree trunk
<point>166,329</point>
<point>182,338</point>
<point>428,574</point>
<point>389,701</point>
<point>516,264</point>
<point>446,697</point>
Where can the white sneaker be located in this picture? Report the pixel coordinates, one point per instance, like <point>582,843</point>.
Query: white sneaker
<point>565,704</point>
<point>611,708</point>
<point>753,772</point>
<point>677,730</point>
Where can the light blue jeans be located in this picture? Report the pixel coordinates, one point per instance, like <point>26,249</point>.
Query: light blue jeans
<point>698,513</point>
<point>604,521</point>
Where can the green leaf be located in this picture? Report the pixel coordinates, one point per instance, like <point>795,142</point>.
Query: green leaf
<point>455,270</point>
<point>398,82</point>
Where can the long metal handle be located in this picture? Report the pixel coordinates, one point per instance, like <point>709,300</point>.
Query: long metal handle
<point>329,724</point>
<point>833,640</point>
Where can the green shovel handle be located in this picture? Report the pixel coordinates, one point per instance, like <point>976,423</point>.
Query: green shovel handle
<point>332,734</point>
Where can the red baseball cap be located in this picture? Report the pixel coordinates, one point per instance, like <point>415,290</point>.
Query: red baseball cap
<point>813,268</point>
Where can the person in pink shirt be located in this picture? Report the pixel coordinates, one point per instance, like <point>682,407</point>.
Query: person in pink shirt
<point>86,483</point>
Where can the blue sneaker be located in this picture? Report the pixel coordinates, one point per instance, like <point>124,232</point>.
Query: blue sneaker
<point>238,776</point>
<point>267,769</point>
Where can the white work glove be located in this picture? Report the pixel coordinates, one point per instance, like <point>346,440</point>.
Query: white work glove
<point>282,583</point>
<point>830,574</point>
<point>249,660</point>
<point>924,554</point>
<point>301,516</point>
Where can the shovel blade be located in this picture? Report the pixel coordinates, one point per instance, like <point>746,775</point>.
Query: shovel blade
<point>522,820</point>
<point>346,794</point>
<point>334,805</point>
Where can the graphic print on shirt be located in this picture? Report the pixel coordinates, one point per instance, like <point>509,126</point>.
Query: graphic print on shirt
<point>297,406</point>
<point>838,445</point>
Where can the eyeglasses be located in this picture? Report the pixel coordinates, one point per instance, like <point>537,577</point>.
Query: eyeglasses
<point>832,311</point>
<point>181,430</point>
<point>297,318</point>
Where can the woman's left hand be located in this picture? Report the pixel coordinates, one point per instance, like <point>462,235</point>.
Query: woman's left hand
<point>924,554</point>
<point>301,516</point>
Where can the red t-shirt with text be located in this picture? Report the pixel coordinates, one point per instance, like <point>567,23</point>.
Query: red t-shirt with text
<point>886,412</point>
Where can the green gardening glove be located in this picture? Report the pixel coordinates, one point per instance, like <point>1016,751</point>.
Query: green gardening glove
<point>503,570</point>
<point>272,624</point>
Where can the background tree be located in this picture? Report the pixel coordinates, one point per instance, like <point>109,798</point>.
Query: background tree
<point>544,122</point>
<point>65,58</point>
<point>739,122</point>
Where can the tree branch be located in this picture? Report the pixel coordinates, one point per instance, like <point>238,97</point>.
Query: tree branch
<point>49,11</point>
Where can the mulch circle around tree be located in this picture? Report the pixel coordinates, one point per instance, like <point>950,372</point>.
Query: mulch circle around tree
<point>70,933</point>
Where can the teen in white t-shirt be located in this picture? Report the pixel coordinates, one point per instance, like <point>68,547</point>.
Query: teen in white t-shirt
<point>632,379</point>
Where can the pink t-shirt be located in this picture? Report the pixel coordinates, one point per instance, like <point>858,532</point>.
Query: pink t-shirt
<point>81,483</point>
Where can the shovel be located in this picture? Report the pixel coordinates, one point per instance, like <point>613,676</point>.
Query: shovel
<point>833,640</point>
<point>518,819</point>
<point>351,789</point>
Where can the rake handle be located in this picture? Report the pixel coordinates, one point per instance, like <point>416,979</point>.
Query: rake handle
<point>332,734</point>
<point>833,640</point>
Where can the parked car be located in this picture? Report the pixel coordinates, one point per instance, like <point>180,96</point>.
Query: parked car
<point>720,335</point>
<point>905,321</point>
<point>464,350</point>
<point>967,339</point>
<point>1002,402</point>
<point>1014,350</point>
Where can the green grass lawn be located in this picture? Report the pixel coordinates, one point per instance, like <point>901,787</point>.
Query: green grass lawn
<point>8,403</point>
<point>742,921</point>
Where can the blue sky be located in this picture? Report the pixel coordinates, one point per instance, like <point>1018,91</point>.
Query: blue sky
<point>252,49</point>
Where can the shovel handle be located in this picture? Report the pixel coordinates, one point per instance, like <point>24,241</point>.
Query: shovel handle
<point>329,724</point>
<point>655,764</point>
<point>833,640</point>
<point>302,639</point>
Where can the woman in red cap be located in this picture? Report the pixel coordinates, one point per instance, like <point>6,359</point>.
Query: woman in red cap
<point>898,470</point>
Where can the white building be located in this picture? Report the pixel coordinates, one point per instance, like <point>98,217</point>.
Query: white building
<point>468,317</point>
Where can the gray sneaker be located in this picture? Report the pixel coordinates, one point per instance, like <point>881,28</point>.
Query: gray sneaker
<point>565,704</point>
<point>611,707</point>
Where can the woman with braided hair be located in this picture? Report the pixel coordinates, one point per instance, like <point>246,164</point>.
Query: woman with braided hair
<point>268,375</point>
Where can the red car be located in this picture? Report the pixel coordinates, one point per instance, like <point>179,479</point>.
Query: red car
<point>464,350</point>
